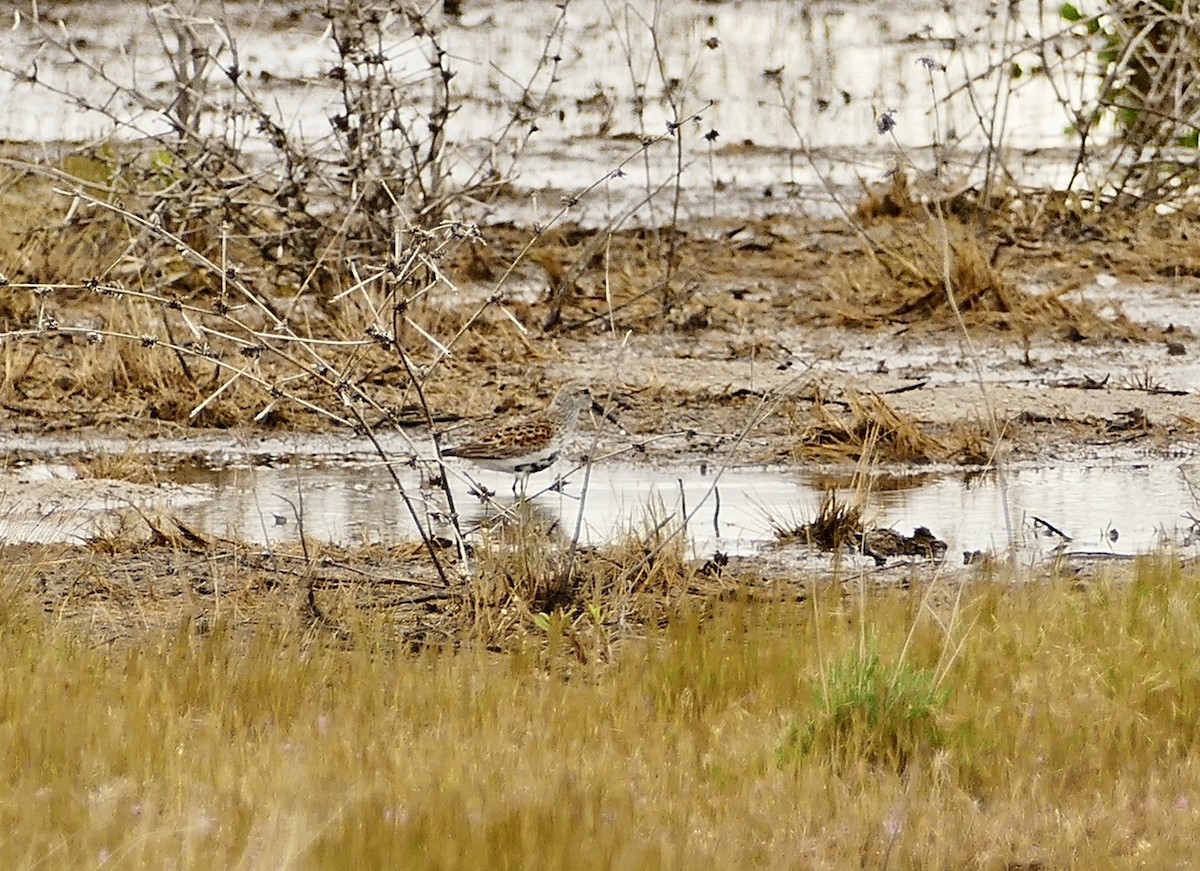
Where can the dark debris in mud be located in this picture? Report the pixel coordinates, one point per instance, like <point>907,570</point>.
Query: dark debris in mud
<point>839,527</point>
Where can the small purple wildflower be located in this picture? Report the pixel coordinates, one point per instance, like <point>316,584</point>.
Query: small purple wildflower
<point>893,825</point>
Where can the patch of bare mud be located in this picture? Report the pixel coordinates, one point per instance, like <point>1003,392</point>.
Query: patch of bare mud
<point>1048,397</point>
<point>127,593</point>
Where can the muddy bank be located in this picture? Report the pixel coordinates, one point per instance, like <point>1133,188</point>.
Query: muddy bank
<point>116,598</point>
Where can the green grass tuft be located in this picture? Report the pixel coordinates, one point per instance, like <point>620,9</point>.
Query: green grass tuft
<point>866,713</point>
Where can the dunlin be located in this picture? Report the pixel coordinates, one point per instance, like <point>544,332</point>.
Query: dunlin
<point>528,444</point>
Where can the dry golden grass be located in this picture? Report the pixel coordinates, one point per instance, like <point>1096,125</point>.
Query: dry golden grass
<point>870,426</point>
<point>129,465</point>
<point>1045,727</point>
<point>112,322</point>
<point>529,577</point>
<point>907,279</point>
<point>838,524</point>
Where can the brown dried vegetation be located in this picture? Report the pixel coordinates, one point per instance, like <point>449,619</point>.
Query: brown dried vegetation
<point>107,322</point>
<point>867,425</point>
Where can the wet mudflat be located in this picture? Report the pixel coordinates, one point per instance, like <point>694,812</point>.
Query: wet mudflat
<point>772,358</point>
<point>887,497</point>
<point>779,84</point>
